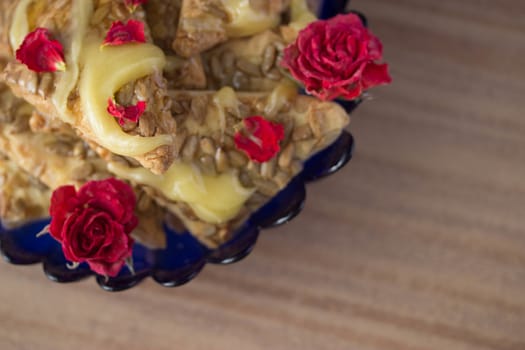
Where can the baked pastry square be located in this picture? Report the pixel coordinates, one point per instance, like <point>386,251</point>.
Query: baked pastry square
<point>35,160</point>
<point>94,74</point>
<point>215,186</point>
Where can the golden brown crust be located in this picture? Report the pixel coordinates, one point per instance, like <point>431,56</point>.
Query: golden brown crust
<point>22,197</point>
<point>185,74</point>
<point>201,26</point>
<point>163,19</point>
<point>181,73</point>
<point>6,10</point>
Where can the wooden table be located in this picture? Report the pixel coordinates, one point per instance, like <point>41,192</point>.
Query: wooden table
<point>418,244</point>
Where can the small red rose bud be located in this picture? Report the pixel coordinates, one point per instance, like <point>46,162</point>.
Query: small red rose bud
<point>94,224</point>
<point>260,138</point>
<point>40,53</point>
<point>336,58</point>
<point>124,114</point>
<point>120,33</point>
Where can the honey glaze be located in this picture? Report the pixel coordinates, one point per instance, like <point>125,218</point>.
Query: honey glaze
<point>81,12</point>
<point>214,199</point>
<point>301,16</point>
<point>19,25</point>
<point>104,72</point>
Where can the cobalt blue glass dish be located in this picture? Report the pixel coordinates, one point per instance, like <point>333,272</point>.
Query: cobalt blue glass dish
<point>184,257</point>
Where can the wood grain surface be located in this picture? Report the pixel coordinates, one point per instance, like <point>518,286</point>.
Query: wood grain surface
<point>418,244</point>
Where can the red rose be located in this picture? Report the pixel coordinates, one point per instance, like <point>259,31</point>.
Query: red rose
<point>336,58</point>
<point>94,224</point>
<point>260,139</point>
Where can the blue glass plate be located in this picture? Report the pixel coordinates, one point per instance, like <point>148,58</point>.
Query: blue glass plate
<point>184,257</point>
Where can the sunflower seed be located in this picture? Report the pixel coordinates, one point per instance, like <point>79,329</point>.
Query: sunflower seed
<point>302,132</point>
<point>248,67</point>
<point>266,187</point>
<point>270,53</point>
<point>286,156</point>
<point>221,160</point>
<point>190,148</point>
<point>82,172</point>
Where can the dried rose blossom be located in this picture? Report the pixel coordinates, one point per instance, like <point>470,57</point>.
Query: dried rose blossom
<point>260,139</point>
<point>40,53</point>
<point>94,224</point>
<point>120,33</point>
<point>337,58</point>
<point>125,114</point>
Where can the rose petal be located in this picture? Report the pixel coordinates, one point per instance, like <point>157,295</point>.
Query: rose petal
<point>263,138</point>
<point>120,33</point>
<point>375,74</point>
<point>375,48</point>
<point>101,195</point>
<point>80,241</point>
<point>40,53</point>
<point>63,202</point>
<point>118,247</point>
<point>351,92</point>
<point>347,20</point>
<point>72,229</point>
<point>113,196</point>
<point>126,114</point>
<point>126,192</point>
<point>106,269</point>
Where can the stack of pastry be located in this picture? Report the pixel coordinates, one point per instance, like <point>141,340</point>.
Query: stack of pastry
<point>206,66</point>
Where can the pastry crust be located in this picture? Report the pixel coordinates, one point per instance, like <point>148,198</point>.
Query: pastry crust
<point>185,73</point>
<point>22,197</point>
<point>6,11</point>
<point>163,19</point>
<point>201,26</point>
